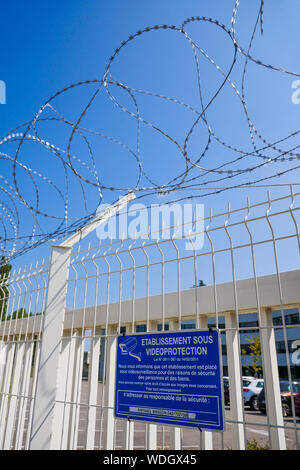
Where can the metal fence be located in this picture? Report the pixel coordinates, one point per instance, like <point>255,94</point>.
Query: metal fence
<point>60,320</point>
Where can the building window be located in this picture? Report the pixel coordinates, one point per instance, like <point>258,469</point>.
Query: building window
<point>188,325</point>
<point>160,327</point>
<point>141,328</point>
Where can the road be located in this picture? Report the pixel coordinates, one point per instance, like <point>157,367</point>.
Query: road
<point>255,425</point>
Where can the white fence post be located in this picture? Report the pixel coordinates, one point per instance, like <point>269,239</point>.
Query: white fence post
<point>206,441</point>
<point>235,381</point>
<point>128,426</point>
<point>61,416</point>
<point>95,349</point>
<point>175,433</point>
<point>5,391</point>
<point>14,390</point>
<point>43,411</point>
<point>271,377</point>
<point>151,429</point>
<point>3,354</point>
<point>109,388</point>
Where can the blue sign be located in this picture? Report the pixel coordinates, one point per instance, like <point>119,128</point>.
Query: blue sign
<point>172,378</point>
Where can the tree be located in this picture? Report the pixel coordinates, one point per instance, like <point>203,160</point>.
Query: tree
<point>5,269</point>
<point>253,349</point>
<point>21,313</point>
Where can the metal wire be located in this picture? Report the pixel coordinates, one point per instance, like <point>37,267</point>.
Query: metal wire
<point>26,218</point>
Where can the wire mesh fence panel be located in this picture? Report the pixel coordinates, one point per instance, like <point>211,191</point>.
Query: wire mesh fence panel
<point>243,279</point>
<point>23,297</point>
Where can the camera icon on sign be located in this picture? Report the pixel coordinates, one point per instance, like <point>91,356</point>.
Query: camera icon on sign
<point>127,348</point>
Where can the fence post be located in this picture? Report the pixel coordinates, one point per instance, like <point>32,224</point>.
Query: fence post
<point>206,441</point>
<point>151,429</point>
<point>109,382</point>
<point>46,390</point>
<point>95,350</point>
<point>235,380</point>
<point>128,426</point>
<point>271,377</point>
<point>3,352</point>
<point>175,433</point>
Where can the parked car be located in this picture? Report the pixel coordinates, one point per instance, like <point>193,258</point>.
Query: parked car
<point>246,381</point>
<point>285,392</point>
<point>251,392</point>
<point>247,378</point>
<point>297,404</point>
<point>226,390</point>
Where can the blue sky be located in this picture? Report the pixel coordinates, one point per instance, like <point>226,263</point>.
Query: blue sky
<point>47,46</point>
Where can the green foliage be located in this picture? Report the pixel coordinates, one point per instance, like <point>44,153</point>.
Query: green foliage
<point>254,445</point>
<point>21,313</point>
<point>5,269</point>
<point>254,350</point>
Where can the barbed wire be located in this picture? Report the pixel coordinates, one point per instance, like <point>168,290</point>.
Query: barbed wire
<point>38,205</point>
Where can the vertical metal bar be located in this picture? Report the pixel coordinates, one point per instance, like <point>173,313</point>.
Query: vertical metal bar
<point>196,280</point>
<point>24,394</point>
<point>129,425</point>
<point>93,392</point>
<point>77,378</point>
<point>79,362</point>
<point>256,291</point>
<point>3,355</point>
<point>175,432</point>
<point>42,431</point>
<point>13,394</point>
<point>213,262</point>
<point>236,397</point>
<point>147,288</point>
<point>162,262</point>
<point>109,420</point>
<point>236,388</point>
<point>103,423</point>
<point>206,437</point>
<point>271,377</point>
<point>6,390</point>
<point>282,316</point>
<point>151,429</point>
<point>94,368</point>
<point>291,210</point>
<point>68,367</point>
<point>178,278</point>
<point>59,423</point>
<point>33,393</point>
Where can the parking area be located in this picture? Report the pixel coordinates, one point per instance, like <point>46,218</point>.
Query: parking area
<point>255,427</point>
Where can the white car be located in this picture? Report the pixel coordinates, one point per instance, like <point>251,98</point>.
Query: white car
<point>251,392</point>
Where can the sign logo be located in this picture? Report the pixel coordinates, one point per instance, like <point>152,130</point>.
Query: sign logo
<point>128,347</point>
